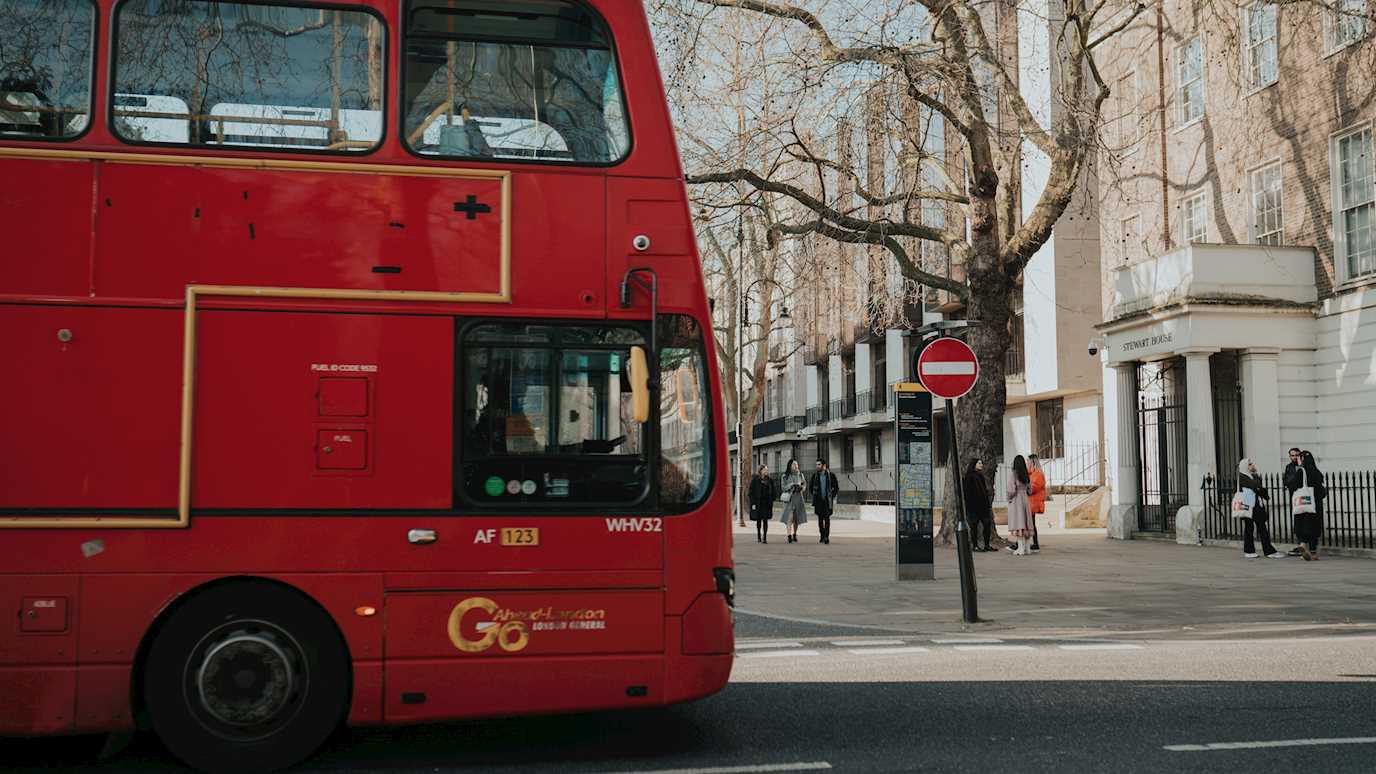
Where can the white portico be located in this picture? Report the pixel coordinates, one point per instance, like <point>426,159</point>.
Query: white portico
<point>1196,346</point>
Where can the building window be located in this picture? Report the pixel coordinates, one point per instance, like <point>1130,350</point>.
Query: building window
<point>1355,197</point>
<point>1259,30</point>
<point>879,376</point>
<point>876,449</point>
<point>1131,239</point>
<point>1015,358</point>
<point>1267,225</point>
<point>1189,80</point>
<point>1194,225</point>
<point>848,452</point>
<point>1124,125</point>
<point>1051,428</point>
<point>1344,23</point>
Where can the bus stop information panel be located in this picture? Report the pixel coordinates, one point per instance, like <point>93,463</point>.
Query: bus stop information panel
<point>913,522</point>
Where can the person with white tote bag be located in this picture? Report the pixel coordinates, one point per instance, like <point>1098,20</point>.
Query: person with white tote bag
<point>1249,504</point>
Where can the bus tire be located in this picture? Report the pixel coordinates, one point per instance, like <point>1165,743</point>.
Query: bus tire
<point>246,676</point>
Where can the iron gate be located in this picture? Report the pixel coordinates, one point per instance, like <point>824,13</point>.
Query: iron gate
<point>1163,487</point>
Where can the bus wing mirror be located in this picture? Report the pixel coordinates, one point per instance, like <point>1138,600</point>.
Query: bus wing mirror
<point>639,369</point>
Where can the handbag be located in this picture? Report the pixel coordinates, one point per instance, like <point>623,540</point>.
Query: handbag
<point>1302,501</point>
<point>1243,503</point>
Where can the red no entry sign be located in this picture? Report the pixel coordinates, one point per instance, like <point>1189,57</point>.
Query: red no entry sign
<point>947,368</point>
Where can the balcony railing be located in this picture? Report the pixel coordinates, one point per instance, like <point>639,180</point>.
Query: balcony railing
<point>835,409</point>
<point>817,415</point>
<point>848,404</point>
<point>879,399</point>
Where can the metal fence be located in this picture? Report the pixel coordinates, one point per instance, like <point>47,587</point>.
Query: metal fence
<point>1349,511</point>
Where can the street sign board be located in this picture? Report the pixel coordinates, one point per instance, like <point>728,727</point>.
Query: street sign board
<point>913,525</point>
<point>947,368</point>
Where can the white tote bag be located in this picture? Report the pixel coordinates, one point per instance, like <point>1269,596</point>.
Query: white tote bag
<point>1302,501</point>
<point>1243,503</point>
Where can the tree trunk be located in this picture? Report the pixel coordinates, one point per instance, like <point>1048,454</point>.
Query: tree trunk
<point>979,415</point>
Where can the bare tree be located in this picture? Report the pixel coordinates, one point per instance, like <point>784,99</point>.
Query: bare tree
<point>955,62</point>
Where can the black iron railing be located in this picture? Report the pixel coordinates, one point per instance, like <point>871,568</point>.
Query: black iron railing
<point>817,415</point>
<point>1348,510</point>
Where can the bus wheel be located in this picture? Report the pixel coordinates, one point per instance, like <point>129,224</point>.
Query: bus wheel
<point>246,677</point>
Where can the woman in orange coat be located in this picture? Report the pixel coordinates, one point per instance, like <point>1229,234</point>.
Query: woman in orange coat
<point>1036,496</point>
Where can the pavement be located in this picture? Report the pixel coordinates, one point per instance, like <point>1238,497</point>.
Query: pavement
<point>1081,584</point>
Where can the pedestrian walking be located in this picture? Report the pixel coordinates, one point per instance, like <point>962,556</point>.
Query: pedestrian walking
<point>1019,510</point>
<point>1305,484</point>
<point>1036,495</point>
<point>822,490</point>
<point>794,513</point>
<point>979,508</point>
<point>1256,519</point>
<point>763,491</point>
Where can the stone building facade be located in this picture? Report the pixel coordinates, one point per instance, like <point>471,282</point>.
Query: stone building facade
<point>1238,216</point>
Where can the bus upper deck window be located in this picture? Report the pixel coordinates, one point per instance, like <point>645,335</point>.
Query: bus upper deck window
<point>45,68</point>
<point>512,79</point>
<point>246,76</point>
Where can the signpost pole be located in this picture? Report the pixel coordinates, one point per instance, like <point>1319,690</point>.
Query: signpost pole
<point>949,368</point>
<point>969,602</point>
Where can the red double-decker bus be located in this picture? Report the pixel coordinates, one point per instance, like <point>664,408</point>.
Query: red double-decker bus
<point>357,370</point>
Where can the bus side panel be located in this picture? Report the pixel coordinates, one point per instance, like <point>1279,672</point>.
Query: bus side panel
<point>37,700</point>
<point>47,206</point>
<point>38,653</point>
<point>309,229</point>
<point>494,687</point>
<point>323,411</point>
<point>96,416</point>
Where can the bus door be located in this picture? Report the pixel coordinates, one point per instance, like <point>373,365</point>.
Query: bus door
<point>547,593</point>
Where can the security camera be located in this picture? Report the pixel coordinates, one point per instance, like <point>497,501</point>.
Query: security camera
<point>1094,346</point>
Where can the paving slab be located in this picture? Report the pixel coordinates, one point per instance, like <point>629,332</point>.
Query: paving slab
<point>1080,585</point>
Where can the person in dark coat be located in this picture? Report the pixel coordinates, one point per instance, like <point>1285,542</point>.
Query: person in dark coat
<point>1308,526</point>
<point>1247,478</point>
<point>822,490</point>
<point>979,509</point>
<point>763,493</point>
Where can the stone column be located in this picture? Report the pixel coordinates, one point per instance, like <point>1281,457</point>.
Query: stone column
<point>1199,408</point>
<point>1122,520</point>
<point>1261,408</point>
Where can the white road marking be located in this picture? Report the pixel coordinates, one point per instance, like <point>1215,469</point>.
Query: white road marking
<point>817,621</point>
<point>777,653</point>
<point>1101,646</point>
<point>764,767</point>
<point>865,643</point>
<point>994,647</point>
<point>749,645</point>
<point>890,651</point>
<point>1261,745</point>
<point>967,641</point>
